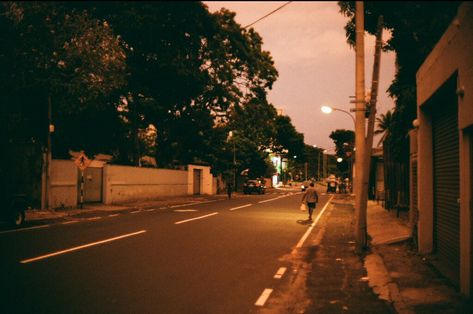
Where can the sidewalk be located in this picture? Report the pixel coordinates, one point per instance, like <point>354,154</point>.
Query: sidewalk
<point>391,278</point>
<point>337,281</point>
<point>402,276</point>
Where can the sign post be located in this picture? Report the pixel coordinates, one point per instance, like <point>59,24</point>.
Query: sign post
<point>82,162</point>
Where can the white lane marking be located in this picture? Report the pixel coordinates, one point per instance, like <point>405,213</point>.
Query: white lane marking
<point>150,210</point>
<point>263,297</point>
<point>243,206</point>
<point>200,217</point>
<point>70,222</point>
<point>113,215</point>
<point>304,237</point>
<point>34,259</point>
<point>94,218</point>
<point>280,273</point>
<point>184,210</point>
<point>136,212</point>
<point>24,229</point>
<point>271,199</point>
<point>181,205</point>
<point>191,204</point>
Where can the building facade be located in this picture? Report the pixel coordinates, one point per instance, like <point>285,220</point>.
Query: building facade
<point>444,158</point>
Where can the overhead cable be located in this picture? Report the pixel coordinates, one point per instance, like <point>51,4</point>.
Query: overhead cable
<point>268,14</point>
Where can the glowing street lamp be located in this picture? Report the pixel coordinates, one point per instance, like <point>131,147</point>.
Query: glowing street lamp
<point>329,109</point>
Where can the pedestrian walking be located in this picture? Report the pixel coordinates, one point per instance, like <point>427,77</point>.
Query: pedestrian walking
<point>229,190</point>
<point>311,197</point>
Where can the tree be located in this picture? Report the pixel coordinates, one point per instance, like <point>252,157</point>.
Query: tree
<point>190,66</point>
<point>415,27</point>
<point>52,53</point>
<point>344,143</point>
<point>384,125</point>
<point>287,138</point>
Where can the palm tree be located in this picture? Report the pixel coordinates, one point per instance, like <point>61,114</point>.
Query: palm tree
<point>385,122</point>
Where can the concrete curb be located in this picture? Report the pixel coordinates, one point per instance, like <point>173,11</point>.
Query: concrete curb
<point>382,283</point>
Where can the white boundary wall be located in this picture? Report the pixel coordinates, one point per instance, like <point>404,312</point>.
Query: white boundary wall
<point>206,184</point>
<point>126,184</point>
<point>64,176</point>
<point>122,184</point>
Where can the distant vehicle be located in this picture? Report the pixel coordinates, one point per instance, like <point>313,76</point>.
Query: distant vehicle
<point>254,186</point>
<point>332,184</point>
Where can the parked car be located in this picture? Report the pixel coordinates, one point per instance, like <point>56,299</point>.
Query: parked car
<point>13,208</point>
<point>254,186</point>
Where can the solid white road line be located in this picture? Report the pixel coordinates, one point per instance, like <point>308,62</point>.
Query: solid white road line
<point>263,297</point>
<point>24,229</point>
<point>280,273</point>
<point>80,247</point>
<point>304,237</point>
<point>243,206</point>
<point>200,217</point>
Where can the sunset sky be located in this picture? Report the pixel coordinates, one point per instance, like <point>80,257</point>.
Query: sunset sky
<point>316,65</point>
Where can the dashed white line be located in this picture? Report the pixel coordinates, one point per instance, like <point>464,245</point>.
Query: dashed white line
<point>24,229</point>
<point>79,247</point>
<point>113,215</point>
<point>185,210</point>
<point>136,212</point>
<point>150,210</point>
<point>94,218</point>
<point>271,199</point>
<point>280,273</point>
<point>263,297</point>
<point>243,206</point>
<point>70,222</point>
<point>200,217</point>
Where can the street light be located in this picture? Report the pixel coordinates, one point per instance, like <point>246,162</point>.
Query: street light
<point>329,109</point>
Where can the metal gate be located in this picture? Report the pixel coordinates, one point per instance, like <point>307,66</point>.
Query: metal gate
<point>446,183</point>
<point>197,180</point>
<point>93,185</point>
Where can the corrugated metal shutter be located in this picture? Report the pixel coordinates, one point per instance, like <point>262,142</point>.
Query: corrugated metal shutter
<point>446,187</point>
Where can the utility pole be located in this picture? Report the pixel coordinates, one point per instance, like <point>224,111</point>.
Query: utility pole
<point>49,156</point>
<point>372,102</point>
<point>360,108</point>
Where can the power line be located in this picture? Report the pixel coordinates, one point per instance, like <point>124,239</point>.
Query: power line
<point>268,14</point>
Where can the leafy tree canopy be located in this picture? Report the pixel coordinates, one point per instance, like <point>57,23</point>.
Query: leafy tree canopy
<point>415,26</point>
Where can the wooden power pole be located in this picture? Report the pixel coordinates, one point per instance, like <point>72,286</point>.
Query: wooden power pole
<point>361,198</point>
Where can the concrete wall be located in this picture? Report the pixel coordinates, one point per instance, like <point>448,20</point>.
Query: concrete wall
<point>206,185</point>
<point>64,179</point>
<point>453,55</point>
<point>126,184</point>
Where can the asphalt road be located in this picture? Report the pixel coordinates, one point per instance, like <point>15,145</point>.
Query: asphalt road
<point>217,257</point>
